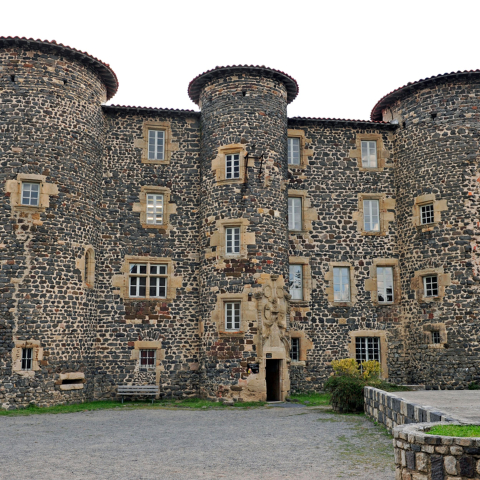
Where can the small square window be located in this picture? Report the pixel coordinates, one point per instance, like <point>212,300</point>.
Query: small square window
<point>369,154</point>
<point>232,240</point>
<point>232,166</point>
<point>430,286</point>
<point>156,144</point>
<point>436,337</point>
<point>147,280</point>
<point>294,213</point>
<point>427,213</point>
<point>367,348</point>
<point>147,359</point>
<point>371,215</point>
<point>27,358</point>
<point>296,282</point>
<point>295,350</point>
<point>232,316</point>
<point>293,151</point>
<point>30,194</point>
<point>341,284</point>
<point>385,284</point>
<point>154,209</point>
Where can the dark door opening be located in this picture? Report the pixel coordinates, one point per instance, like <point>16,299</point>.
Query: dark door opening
<point>272,376</point>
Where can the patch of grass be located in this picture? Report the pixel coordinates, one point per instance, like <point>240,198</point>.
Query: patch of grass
<point>197,403</point>
<point>312,399</point>
<point>77,407</point>
<point>455,430</point>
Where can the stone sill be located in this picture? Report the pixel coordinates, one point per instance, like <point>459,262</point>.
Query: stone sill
<point>72,386</point>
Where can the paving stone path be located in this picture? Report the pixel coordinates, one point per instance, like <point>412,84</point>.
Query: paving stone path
<point>263,443</point>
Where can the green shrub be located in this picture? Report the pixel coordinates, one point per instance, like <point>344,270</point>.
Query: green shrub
<point>474,386</point>
<point>346,393</point>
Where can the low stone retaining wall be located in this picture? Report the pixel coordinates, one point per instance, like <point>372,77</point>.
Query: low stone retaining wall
<point>391,410</point>
<point>420,456</point>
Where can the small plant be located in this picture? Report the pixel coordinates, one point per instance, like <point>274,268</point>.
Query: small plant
<point>474,386</point>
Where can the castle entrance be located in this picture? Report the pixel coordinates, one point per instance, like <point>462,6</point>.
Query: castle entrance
<point>272,376</point>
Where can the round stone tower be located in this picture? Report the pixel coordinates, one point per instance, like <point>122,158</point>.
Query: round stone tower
<point>244,264</point>
<point>52,131</point>
<point>437,186</point>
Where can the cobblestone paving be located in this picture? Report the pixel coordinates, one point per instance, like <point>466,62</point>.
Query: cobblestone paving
<point>266,443</point>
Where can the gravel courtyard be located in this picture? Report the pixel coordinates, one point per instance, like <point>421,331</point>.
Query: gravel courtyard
<point>262,443</point>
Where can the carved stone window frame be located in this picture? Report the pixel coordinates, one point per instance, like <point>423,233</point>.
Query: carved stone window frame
<point>169,147</point>
<point>382,153</point>
<point>305,344</point>
<point>329,285</point>
<point>306,278</point>
<point>385,204</point>
<point>219,163</point>
<point>218,239</point>
<point>371,283</point>
<point>248,312</point>
<point>37,357</point>
<point>309,213</point>
<point>122,281</point>
<point>304,152</point>
<point>14,189</point>
<point>382,335</point>
<point>416,284</point>
<point>435,327</point>
<point>438,207</point>
<point>168,207</point>
<point>86,265</point>
<point>159,357</point>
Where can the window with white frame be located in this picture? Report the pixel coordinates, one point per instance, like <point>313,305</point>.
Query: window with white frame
<point>369,154</point>
<point>430,286</point>
<point>232,316</point>
<point>295,350</point>
<point>385,284</point>
<point>436,337</point>
<point>156,144</point>
<point>427,214</point>
<point>27,358</point>
<point>367,348</point>
<point>293,151</point>
<point>341,284</point>
<point>294,213</point>
<point>147,359</point>
<point>232,240</point>
<point>371,215</point>
<point>147,280</point>
<point>296,282</point>
<point>232,166</point>
<point>154,208</point>
<point>30,194</point>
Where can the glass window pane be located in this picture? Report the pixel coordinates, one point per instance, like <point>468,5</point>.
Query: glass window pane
<point>296,282</point>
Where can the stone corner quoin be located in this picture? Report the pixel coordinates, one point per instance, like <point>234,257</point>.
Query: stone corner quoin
<point>184,249</point>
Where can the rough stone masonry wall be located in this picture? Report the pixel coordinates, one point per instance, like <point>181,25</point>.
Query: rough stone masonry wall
<point>248,111</point>
<point>123,321</point>
<point>420,456</point>
<point>333,179</point>
<point>51,125</point>
<point>436,153</point>
<point>391,410</point>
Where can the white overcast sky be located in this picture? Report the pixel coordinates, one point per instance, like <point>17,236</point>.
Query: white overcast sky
<point>345,55</point>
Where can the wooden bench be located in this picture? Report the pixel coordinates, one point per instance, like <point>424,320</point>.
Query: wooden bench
<point>140,390</point>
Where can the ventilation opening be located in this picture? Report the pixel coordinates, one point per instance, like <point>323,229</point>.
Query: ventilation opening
<point>404,124</point>
<point>244,93</point>
<point>12,78</point>
<point>73,381</point>
<point>64,82</point>
<point>433,115</point>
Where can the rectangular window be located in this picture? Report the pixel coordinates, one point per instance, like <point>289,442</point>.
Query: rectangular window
<point>436,337</point>
<point>27,354</point>
<point>426,213</point>
<point>232,240</point>
<point>147,359</point>
<point>369,154</point>
<point>367,348</point>
<point>30,194</point>
<point>371,215</point>
<point>341,284</point>
<point>296,282</point>
<point>147,280</point>
<point>295,350</point>
<point>232,165</point>
<point>232,316</point>
<point>156,145</point>
<point>294,213</point>
<point>155,209</point>
<point>430,286</point>
<point>293,151</point>
<point>385,284</point>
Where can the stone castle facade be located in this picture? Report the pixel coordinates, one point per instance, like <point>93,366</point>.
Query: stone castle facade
<point>232,252</point>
